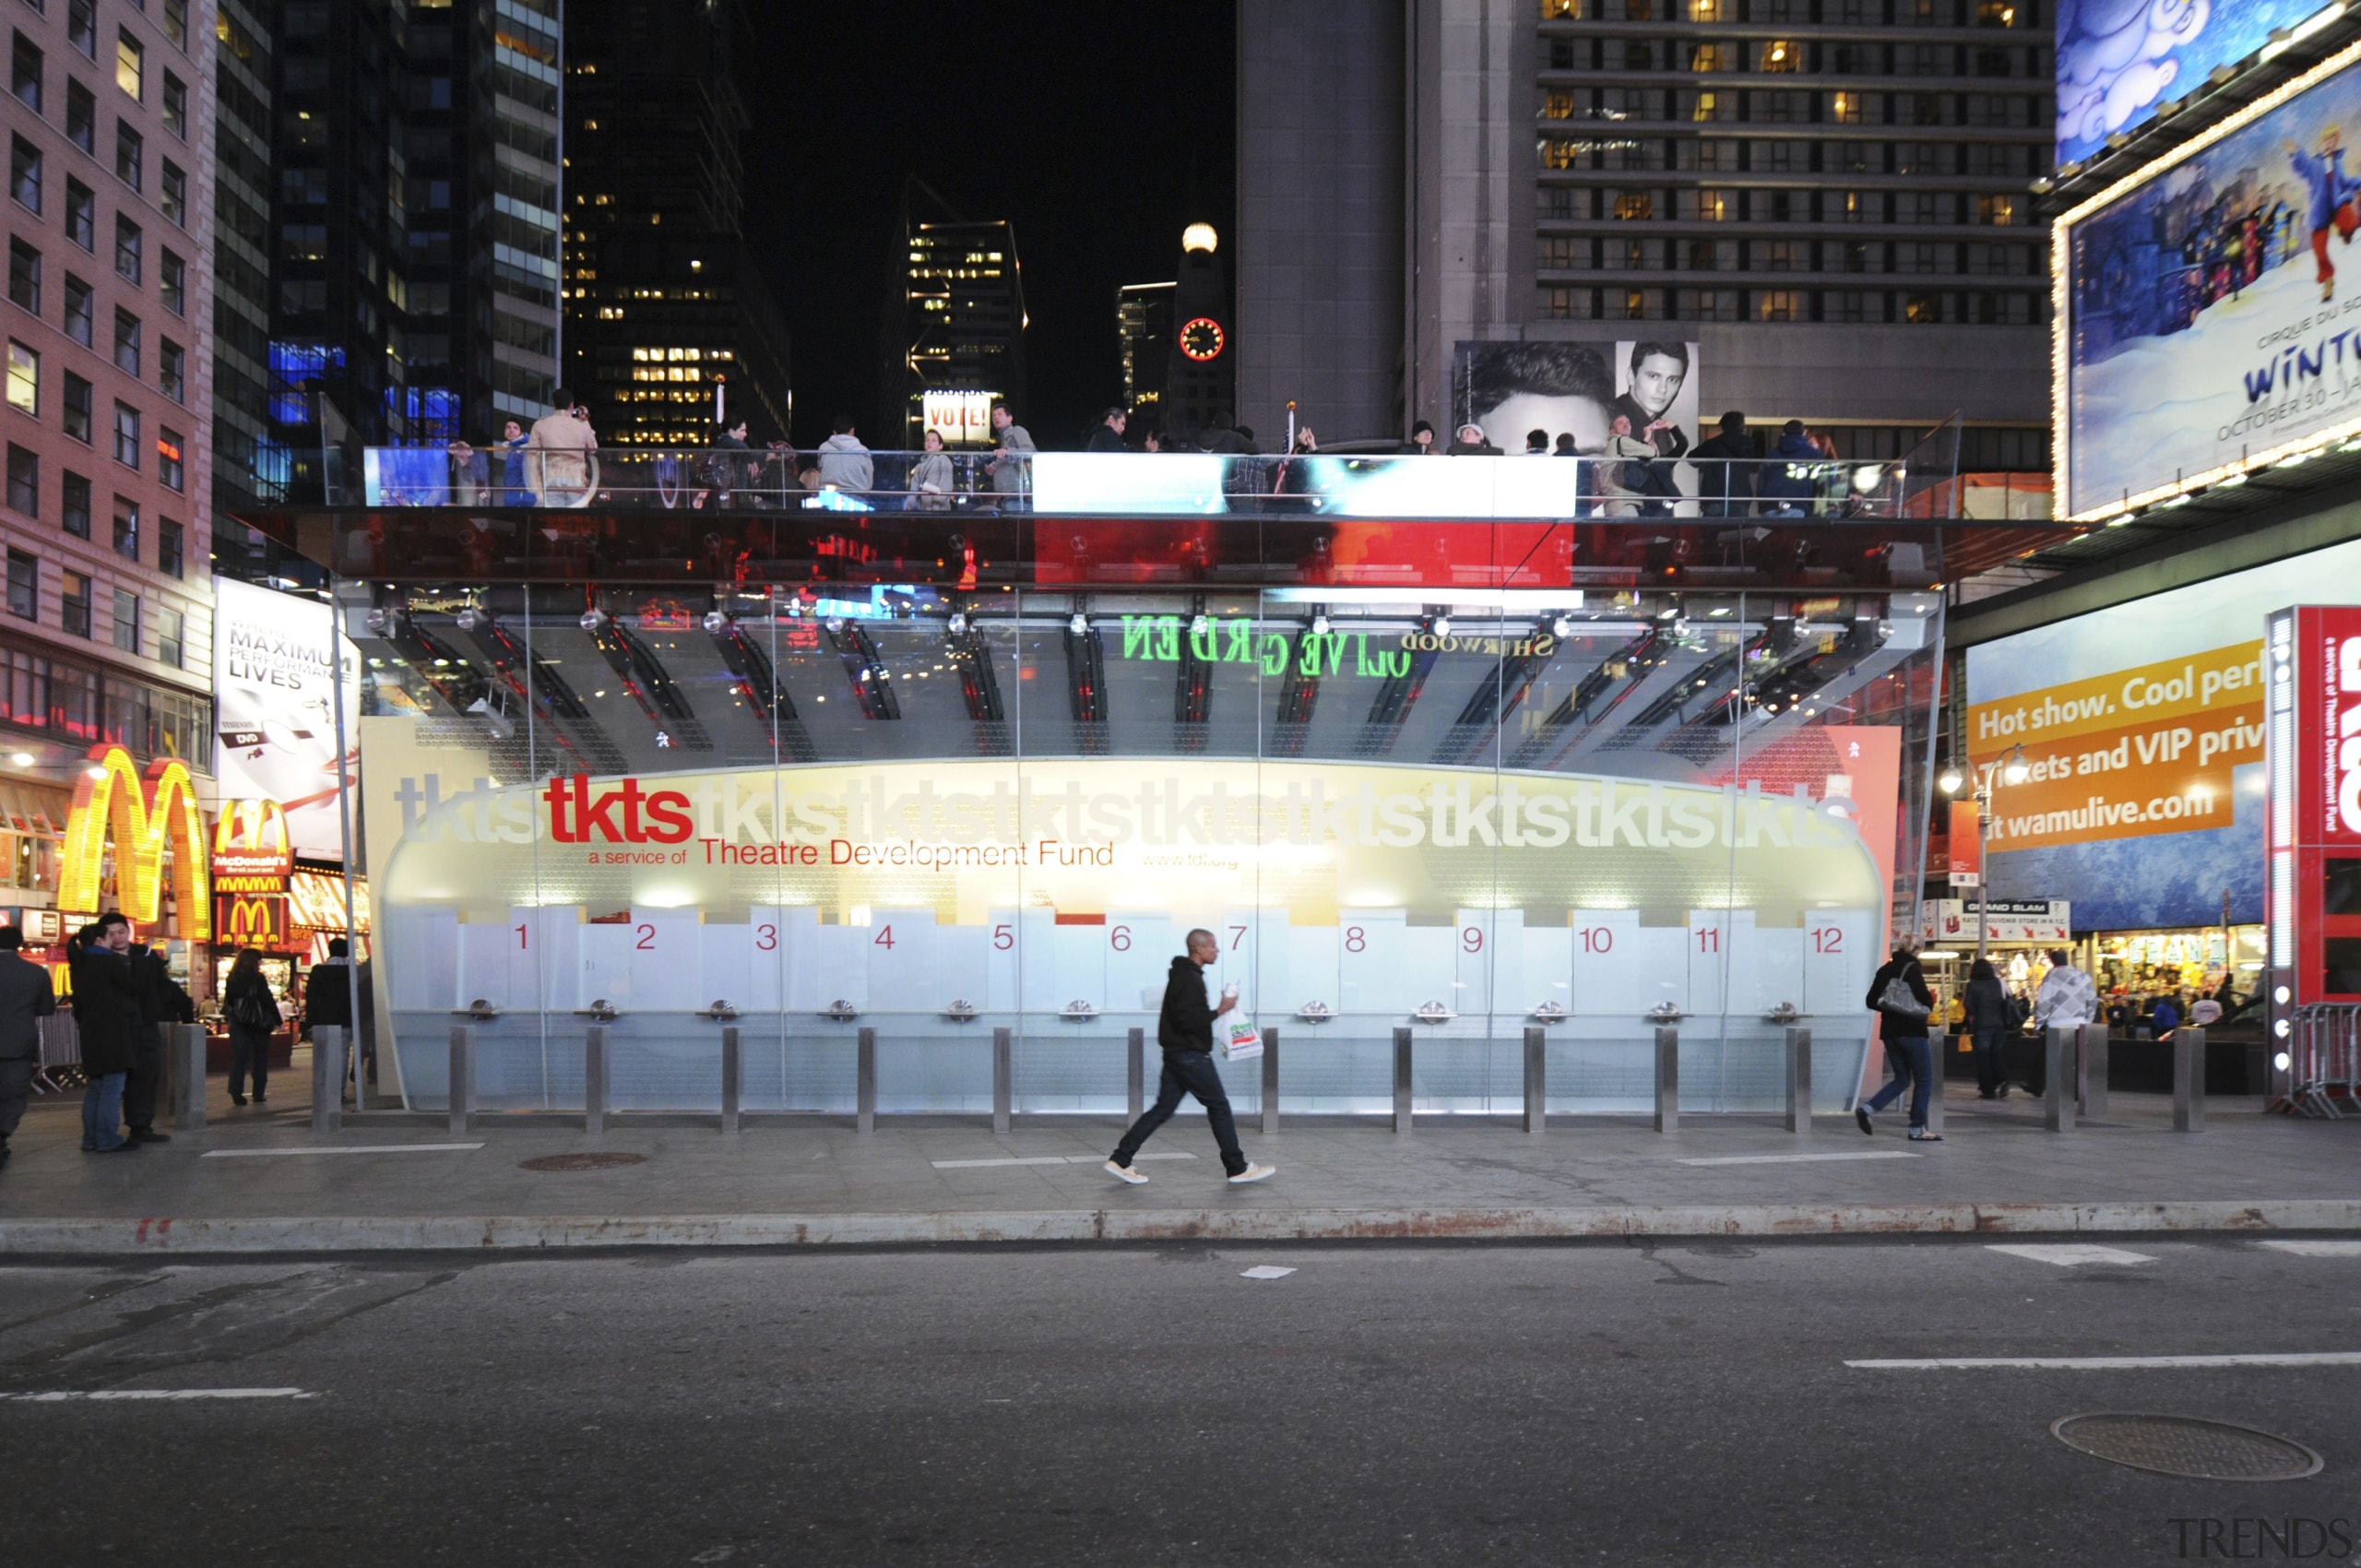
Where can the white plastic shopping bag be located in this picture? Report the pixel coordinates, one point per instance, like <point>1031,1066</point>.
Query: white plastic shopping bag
<point>1240,1038</point>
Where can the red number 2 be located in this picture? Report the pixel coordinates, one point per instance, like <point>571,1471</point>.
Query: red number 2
<point>647,943</point>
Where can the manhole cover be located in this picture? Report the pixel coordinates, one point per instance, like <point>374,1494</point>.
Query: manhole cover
<point>581,1161</point>
<point>2185,1445</point>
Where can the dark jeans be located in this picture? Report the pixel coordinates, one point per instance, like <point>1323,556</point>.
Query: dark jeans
<point>16,1088</point>
<point>146,1078</point>
<point>1988,1074</point>
<point>248,1047</point>
<point>1912,1060</point>
<point>1188,1072</point>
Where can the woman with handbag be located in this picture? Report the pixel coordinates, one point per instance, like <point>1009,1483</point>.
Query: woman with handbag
<point>1899,995</point>
<point>254,1017</point>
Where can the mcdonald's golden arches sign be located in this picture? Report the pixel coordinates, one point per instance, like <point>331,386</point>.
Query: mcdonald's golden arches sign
<point>145,815</point>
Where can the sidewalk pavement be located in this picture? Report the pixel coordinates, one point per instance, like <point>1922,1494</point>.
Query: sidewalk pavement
<point>400,1183</point>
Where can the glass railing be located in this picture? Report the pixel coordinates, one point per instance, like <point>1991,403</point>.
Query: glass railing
<point>1181,484</point>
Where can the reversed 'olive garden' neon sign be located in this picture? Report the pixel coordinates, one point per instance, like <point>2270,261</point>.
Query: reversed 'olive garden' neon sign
<point>145,815</point>
<point>1313,654</point>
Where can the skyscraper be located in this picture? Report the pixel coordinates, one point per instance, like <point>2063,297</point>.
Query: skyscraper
<point>248,465</point>
<point>415,264</point>
<point>1826,196</point>
<point>1143,328</point>
<point>669,320</point>
<point>954,313</point>
<point>107,635</point>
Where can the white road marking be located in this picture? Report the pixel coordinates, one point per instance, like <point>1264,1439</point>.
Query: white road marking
<point>1044,1160</point>
<point>339,1148</point>
<point>2068,1254</point>
<point>2317,1249</point>
<point>2119,1363</point>
<point>61,1396</point>
<point>1797,1158</point>
<point>1266,1271</point>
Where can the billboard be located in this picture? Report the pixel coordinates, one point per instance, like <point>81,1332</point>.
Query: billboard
<point>2142,732</point>
<point>276,711</point>
<point>2118,59</point>
<point>2314,823</point>
<point>2209,313</point>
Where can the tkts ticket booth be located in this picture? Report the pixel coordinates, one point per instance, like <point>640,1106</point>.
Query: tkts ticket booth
<point>2312,825</point>
<point>860,796</point>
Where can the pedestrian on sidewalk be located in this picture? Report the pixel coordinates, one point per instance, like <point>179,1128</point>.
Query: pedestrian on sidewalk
<point>26,995</point>
<point>1184,1028</point>
<point>2067,999</point>
<point>106,1017</point>
<point>254,1017</point>
<point>162,1001</point>
<point>1988,1024</point>
<point>1899,995</point>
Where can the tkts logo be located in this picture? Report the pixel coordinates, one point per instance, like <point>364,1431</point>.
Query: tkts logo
<point>623,815</point>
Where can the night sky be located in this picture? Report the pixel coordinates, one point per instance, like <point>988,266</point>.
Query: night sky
<point>1099,130</point>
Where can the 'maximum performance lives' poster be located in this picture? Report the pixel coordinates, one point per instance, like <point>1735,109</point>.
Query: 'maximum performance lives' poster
<point>2214,312</point>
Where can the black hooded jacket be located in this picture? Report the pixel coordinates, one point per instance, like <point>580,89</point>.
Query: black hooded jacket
<point>1186,1021</point>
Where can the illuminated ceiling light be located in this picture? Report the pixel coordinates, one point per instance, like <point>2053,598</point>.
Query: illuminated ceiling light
<point>1199,624</point>
<point>1320,625</point>
<point>833,624</point>
<point>593,619</point>
<point>958,622</point>
<point>94,772</point>
<point>716,622</point>
<point>1080,625</point>
<point>1563,626</point>
<point>1443,625</point>
<point>21,759</point>
<point>2231,482</point>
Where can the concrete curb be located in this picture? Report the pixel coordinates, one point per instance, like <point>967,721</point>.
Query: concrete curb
<point>531,1233</point>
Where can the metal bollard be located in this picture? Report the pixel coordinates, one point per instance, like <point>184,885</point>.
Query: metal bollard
<point>2188,1080</point>
<point>1004,1085</point>
<point>463,1078</point>
<point>2057,1097</point>
<point>594,1079</point>
<point>1536,1080</point>
<point>733,1076</point>
<point>187,1042</point>
<point>1136,1070</point>
<point>327,1078</point>
<point>1402,1113</point>
<point>1798,1081</point>
<point>2090,1051</point>
<point>1667,1118</point>
<point>358,1051</point>
<point>1935,1044</point>
<point>864,1072</point>
<point>1271,1079</point>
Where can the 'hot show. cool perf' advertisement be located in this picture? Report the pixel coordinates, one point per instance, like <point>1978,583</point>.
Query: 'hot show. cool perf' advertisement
<point>2214,312</point>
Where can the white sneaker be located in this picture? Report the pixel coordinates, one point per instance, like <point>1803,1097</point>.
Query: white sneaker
<point>1252,1173</point>
<point>1125,1174</point>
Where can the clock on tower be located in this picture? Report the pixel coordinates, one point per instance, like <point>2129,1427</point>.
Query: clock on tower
<point>1202,340</point>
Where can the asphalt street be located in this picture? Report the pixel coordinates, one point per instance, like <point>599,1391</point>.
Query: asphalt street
<point>1685,1404</point>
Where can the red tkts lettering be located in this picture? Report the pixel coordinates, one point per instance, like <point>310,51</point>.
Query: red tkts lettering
<point>616,814</point>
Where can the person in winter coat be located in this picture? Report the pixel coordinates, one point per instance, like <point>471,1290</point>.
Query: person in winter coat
<point>1789,480</point>
<point>1622,470</point>
<point>1108,437</point>
<point>930,479</point>
<point>254,1017</point>
<point>26,997</point>
<point>1726,469</point>
<point>1987,1022</point>
<point>513,491</point>
<point>844,461</point>
<point>161,1000</point>
<point>1184,1028</point>
<point>1012,466</point>
<point>106,1017</point>
<point>1899,995</point>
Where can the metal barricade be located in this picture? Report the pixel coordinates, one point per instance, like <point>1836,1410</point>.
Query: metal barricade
<point>61,1054</point>
<point>2324,1059</point>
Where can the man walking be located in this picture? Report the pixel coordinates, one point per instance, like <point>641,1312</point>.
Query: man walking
<point>106,1017</point>
<point>2067,999</point>
<point>25,995</point>
<point>1185,1029</point>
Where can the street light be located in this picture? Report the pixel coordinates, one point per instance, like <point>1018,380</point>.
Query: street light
<point>2011,768</point>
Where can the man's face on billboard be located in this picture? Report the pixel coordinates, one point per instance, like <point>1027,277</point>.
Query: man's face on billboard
<point>1579,417</point>
<point>1656,382</point>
